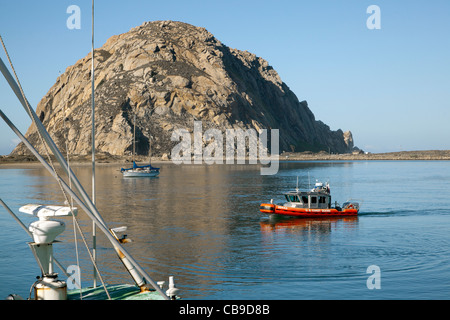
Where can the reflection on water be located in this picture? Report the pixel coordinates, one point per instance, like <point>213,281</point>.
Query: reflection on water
<point>302,225</point>
<point>202,224</point>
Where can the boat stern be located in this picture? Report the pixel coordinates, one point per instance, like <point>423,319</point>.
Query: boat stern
<point>350,206</point>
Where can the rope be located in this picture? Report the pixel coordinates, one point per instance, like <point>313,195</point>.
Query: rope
<point>70,186</point>
<point>92,259</point>
<point>29,110</point>
<point>58,179</point>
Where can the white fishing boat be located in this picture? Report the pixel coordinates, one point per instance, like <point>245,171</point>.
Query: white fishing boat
<point>46,229</point>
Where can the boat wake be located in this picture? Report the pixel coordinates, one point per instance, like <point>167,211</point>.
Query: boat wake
<point>405,212</point>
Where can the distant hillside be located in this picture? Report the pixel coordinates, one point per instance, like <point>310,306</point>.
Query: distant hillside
<point>170,74</point>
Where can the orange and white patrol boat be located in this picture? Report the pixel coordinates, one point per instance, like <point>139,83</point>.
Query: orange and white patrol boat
<point>314,203</point>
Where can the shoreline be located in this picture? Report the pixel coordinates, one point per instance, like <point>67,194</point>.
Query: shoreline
<point>400,155</point>
<point>103,159</point>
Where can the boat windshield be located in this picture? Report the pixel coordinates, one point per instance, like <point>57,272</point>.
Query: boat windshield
<point>292,198</point>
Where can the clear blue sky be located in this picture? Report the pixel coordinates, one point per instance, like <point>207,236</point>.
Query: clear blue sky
<point>390,87</point>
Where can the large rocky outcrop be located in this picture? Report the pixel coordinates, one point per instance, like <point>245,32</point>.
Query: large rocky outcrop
<point>170,74</point>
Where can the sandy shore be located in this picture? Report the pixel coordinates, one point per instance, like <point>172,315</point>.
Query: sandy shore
<point>77,160</point>
<point>286,156</point>
<point>403,155</point>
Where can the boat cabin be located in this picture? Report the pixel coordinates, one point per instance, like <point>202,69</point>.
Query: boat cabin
<point>310,200</point>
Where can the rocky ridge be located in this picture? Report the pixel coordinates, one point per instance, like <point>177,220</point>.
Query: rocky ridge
<point>171,74</point>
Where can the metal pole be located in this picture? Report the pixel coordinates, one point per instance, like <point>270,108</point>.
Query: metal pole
<point>94,231</point>
<point>134,136</point>
<point>92,211</point>
<point>95,216</point>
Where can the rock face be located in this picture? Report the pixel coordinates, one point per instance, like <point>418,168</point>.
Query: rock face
<point>171,74</point>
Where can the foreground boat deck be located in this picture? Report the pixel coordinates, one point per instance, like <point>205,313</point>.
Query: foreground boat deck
<point>117,292</point>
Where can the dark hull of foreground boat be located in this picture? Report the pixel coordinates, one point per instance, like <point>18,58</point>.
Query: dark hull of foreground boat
<point>305,212</point>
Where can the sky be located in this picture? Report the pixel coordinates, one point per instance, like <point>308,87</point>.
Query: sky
<point>389,86</point>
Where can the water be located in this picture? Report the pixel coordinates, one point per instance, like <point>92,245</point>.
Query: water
<point>202,224</point>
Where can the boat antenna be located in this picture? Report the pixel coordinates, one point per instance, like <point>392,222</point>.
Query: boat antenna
<point>309,181</point>
<point>297,185</point>
<point>94,232</point>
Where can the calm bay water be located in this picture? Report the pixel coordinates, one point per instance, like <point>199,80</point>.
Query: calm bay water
<point>202,225</point>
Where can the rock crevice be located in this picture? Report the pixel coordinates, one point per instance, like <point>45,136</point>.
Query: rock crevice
<point>171,74</point>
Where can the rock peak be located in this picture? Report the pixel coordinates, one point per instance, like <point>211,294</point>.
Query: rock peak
<point>171,74</point>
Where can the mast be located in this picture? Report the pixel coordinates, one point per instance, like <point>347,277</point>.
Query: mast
<point>150,148</point>
<point>132,266</point>
<point>94,232</point>
<point>87,206</point>
<point>134,136</point>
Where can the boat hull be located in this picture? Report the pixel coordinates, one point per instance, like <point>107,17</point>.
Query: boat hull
<point>305,212</point>
<point>137,174</point>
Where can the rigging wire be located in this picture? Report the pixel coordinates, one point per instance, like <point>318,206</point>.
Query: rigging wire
<point>70,186</point>
<point>58,178</point>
